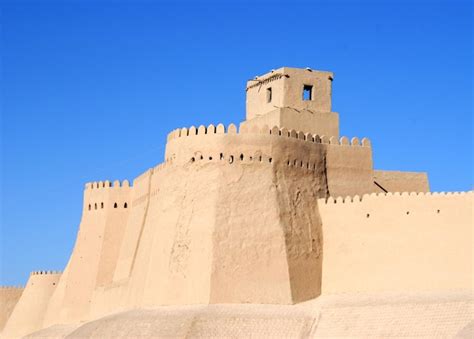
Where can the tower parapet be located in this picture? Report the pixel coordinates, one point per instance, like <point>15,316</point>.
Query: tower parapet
<point>294,98</point>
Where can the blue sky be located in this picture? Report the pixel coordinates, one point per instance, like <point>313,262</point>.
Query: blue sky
<point>90,89</point>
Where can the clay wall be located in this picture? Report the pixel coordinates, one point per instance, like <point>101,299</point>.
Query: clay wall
<point>396,181</point>
<point>93,259</point>
<point>286,86</point>
<point>134,227</point>
<point>397,242</point>
<point>257,103</point>
<point>348,164</point>
<point>28,314</point>
<point>326,123</point>
<point>9,296</point>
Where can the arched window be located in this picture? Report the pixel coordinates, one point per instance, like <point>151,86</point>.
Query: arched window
<point>125,205</point>
<point>241,157</point>
<point>89,207</point>
<point>95,206</point>
<point>115,205</point>
<point>101,205</point>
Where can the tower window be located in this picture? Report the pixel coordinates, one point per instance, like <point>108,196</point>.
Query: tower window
<point>307,92</point>
<point>269,94</point>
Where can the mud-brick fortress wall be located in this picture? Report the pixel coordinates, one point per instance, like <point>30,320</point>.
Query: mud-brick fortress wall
<point>9,296</point>
<point>346,165</point>
<point>226,204</point>
<point>92,263</point>
<point>28,314</point>
<point>397,242</point>
<point>245,215</point>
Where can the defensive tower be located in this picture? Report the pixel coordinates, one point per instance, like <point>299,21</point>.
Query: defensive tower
<point>294,98</point>
<point>245,214</point>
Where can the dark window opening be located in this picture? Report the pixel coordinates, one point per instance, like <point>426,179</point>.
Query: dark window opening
<point>269,94</point>
<point>101,205</point>
<point>307,92</point>
<point>89,207</point>
<point>125,205</point>
<point>95,206</point>
<point>241,157</point>
<point>115,205</point>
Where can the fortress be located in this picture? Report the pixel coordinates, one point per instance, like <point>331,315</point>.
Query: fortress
<point>275,227</point>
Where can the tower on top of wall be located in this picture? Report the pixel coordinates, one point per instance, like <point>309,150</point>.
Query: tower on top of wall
<point>294,98</point>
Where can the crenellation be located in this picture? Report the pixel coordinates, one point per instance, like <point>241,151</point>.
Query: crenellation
<point>397,195</point>
<point>45,272</point>
<point>274,131</point>
<point>232,129</point>
<point>344,141</point>
<point>278,209</point>
<point>355,141</point>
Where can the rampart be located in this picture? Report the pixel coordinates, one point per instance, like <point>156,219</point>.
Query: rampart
<point>347,164</point>
<point>245,215</point>
<point>28,314</point>
<point>9,296</point>
<point>396,181</point>
<point>92,263</point>
<point>397,242</point>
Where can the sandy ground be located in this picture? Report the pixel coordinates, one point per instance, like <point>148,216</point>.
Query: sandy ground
<point>382,316</point>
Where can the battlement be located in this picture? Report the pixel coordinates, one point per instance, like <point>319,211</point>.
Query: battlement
<point>289,87</point>
<point>45,272</point>
<point>265,130</point>
<point>99,195</point>
<point>371,196</point>
<point>106,184</point>
<point>397,241</point>
<point>12,287</point>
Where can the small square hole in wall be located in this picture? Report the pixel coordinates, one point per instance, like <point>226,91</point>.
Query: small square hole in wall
<point>269,94</point>
<point>307,92</point>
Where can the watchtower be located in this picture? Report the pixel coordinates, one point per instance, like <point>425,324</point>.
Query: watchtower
<point>294,98</point>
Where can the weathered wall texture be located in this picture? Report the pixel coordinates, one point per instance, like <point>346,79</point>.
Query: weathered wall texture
<point>9,296</point>
<point>286,107</point>
<point>421,315</point>
<point>28,314</point>
<point>345,164</point>
<point>287,91</point>
<point>92,262</point>
<point>230,217</point>
<point>396,181</point>
<point>398,242</point>
<point>242,216</point>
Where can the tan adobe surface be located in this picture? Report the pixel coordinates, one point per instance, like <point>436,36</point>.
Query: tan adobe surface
<point>9,296</point>
<point>277,216</point>
<point>426,315</point>
<point>28,314</point>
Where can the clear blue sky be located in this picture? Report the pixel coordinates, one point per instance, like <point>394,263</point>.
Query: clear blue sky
<point>90,89</point>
